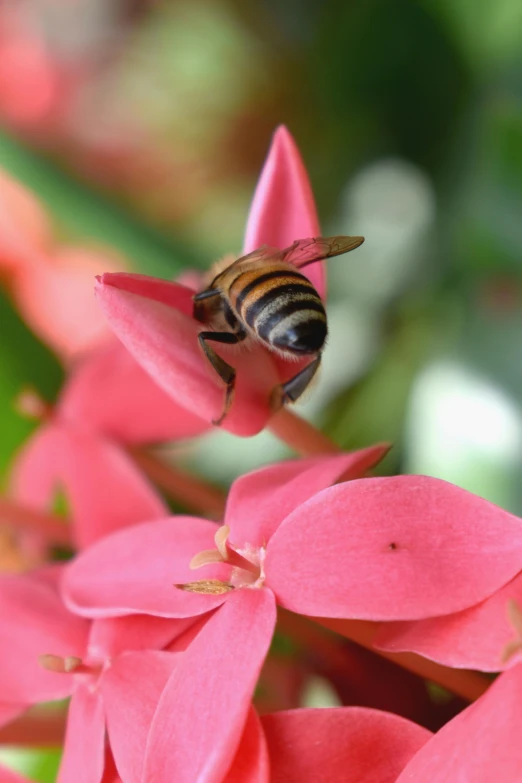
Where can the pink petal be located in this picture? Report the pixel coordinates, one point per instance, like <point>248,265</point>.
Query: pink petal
<point>185,639</point>
<point>283,208</point>
<point>34,623</point>
<point>104,488</point>
<point>163,339</point>
<point>201,715</point>
<point>397,548</point>
<point>112,637</point>
<point>136,570</point>
<point>83,752</point>
<point>482,744</point>
<point>352,744</point>
<point>24,227</point>
<point>471,639</point>
<point>109,392</point>
<point>55,297</point>
<point>131,689</point>
<point>163,291</point>
<point>35,473</point>
<point>258,502</point>
<point>251,763</point>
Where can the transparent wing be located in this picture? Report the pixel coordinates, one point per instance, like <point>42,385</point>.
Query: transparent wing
<point>308,251</point>
<point>305,251</point>
<point>265,252</point>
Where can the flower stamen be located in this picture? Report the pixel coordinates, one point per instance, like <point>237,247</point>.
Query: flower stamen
<point>246,564</point>
<point>206,587</point>
<point>514,613</point>
<point>55,663</point>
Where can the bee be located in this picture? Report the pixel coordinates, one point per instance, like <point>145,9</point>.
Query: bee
<point>264,296</point>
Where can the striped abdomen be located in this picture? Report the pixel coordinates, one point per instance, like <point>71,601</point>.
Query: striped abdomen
<point>280,306</point>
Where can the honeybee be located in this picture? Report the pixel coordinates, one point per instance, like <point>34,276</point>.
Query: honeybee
<point>263,296</point>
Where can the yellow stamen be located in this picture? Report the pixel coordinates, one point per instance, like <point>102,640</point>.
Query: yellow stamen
<point>514,613</point>
<point>206,587</point>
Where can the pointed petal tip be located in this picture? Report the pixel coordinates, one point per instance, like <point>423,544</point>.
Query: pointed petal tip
<point>282,135</point>
<point>106,278</point>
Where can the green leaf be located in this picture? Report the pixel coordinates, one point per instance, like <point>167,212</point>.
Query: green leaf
<point>40,765</point>
<point>24,361</point>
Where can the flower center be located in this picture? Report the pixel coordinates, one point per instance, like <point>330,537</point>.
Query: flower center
<point>247,566</point>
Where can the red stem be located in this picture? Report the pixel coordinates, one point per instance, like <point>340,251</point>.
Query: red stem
<point>51,527</point>
<point>181,485</point>
<point>468,684</point>
<point>41,727</point>
<point>300,435</point>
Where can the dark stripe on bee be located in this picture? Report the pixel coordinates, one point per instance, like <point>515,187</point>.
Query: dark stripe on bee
<point>260,281</point>
<point>279,299</point>
<point>309,312</point>
<point>230,317</point>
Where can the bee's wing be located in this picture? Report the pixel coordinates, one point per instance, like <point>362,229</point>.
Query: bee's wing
<point>308,251</point>
<point>264,252</point>
<point>305,251</point>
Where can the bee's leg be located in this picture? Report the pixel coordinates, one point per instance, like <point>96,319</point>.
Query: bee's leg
<point>223,369</point>
<point>296,386</point>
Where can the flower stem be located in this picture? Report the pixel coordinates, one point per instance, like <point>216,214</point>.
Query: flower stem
<point>179,484</point>
<point>468,684</point>
<point>300,435</point>
<point>52,528</point>
<point>42,727</point>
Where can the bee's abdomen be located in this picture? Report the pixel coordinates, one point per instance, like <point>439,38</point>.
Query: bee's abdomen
<point>282,307</point>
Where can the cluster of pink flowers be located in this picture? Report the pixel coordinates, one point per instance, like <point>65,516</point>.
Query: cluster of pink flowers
<point>159,626</point>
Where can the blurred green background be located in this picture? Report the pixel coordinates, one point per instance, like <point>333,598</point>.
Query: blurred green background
<point>144,125</point>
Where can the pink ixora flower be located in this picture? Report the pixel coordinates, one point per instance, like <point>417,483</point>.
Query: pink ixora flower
<point>378,549</point>
<point>204,728</point>
<point>114,670</point>
<point>154,318</point>
<point>397,548</point>
<point>51,285</point>
<point>108,402</point>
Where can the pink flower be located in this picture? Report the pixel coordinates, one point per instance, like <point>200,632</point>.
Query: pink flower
<point>107,402</point>
<point>386,549</point>
<point>31,85</point>
<point>114,670</point>
<point>383,549</point>
<point>50,285</point>
<point>153,318</point>
<point>406,547</point>
<point>204,728</point>
<point>481,744</point>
